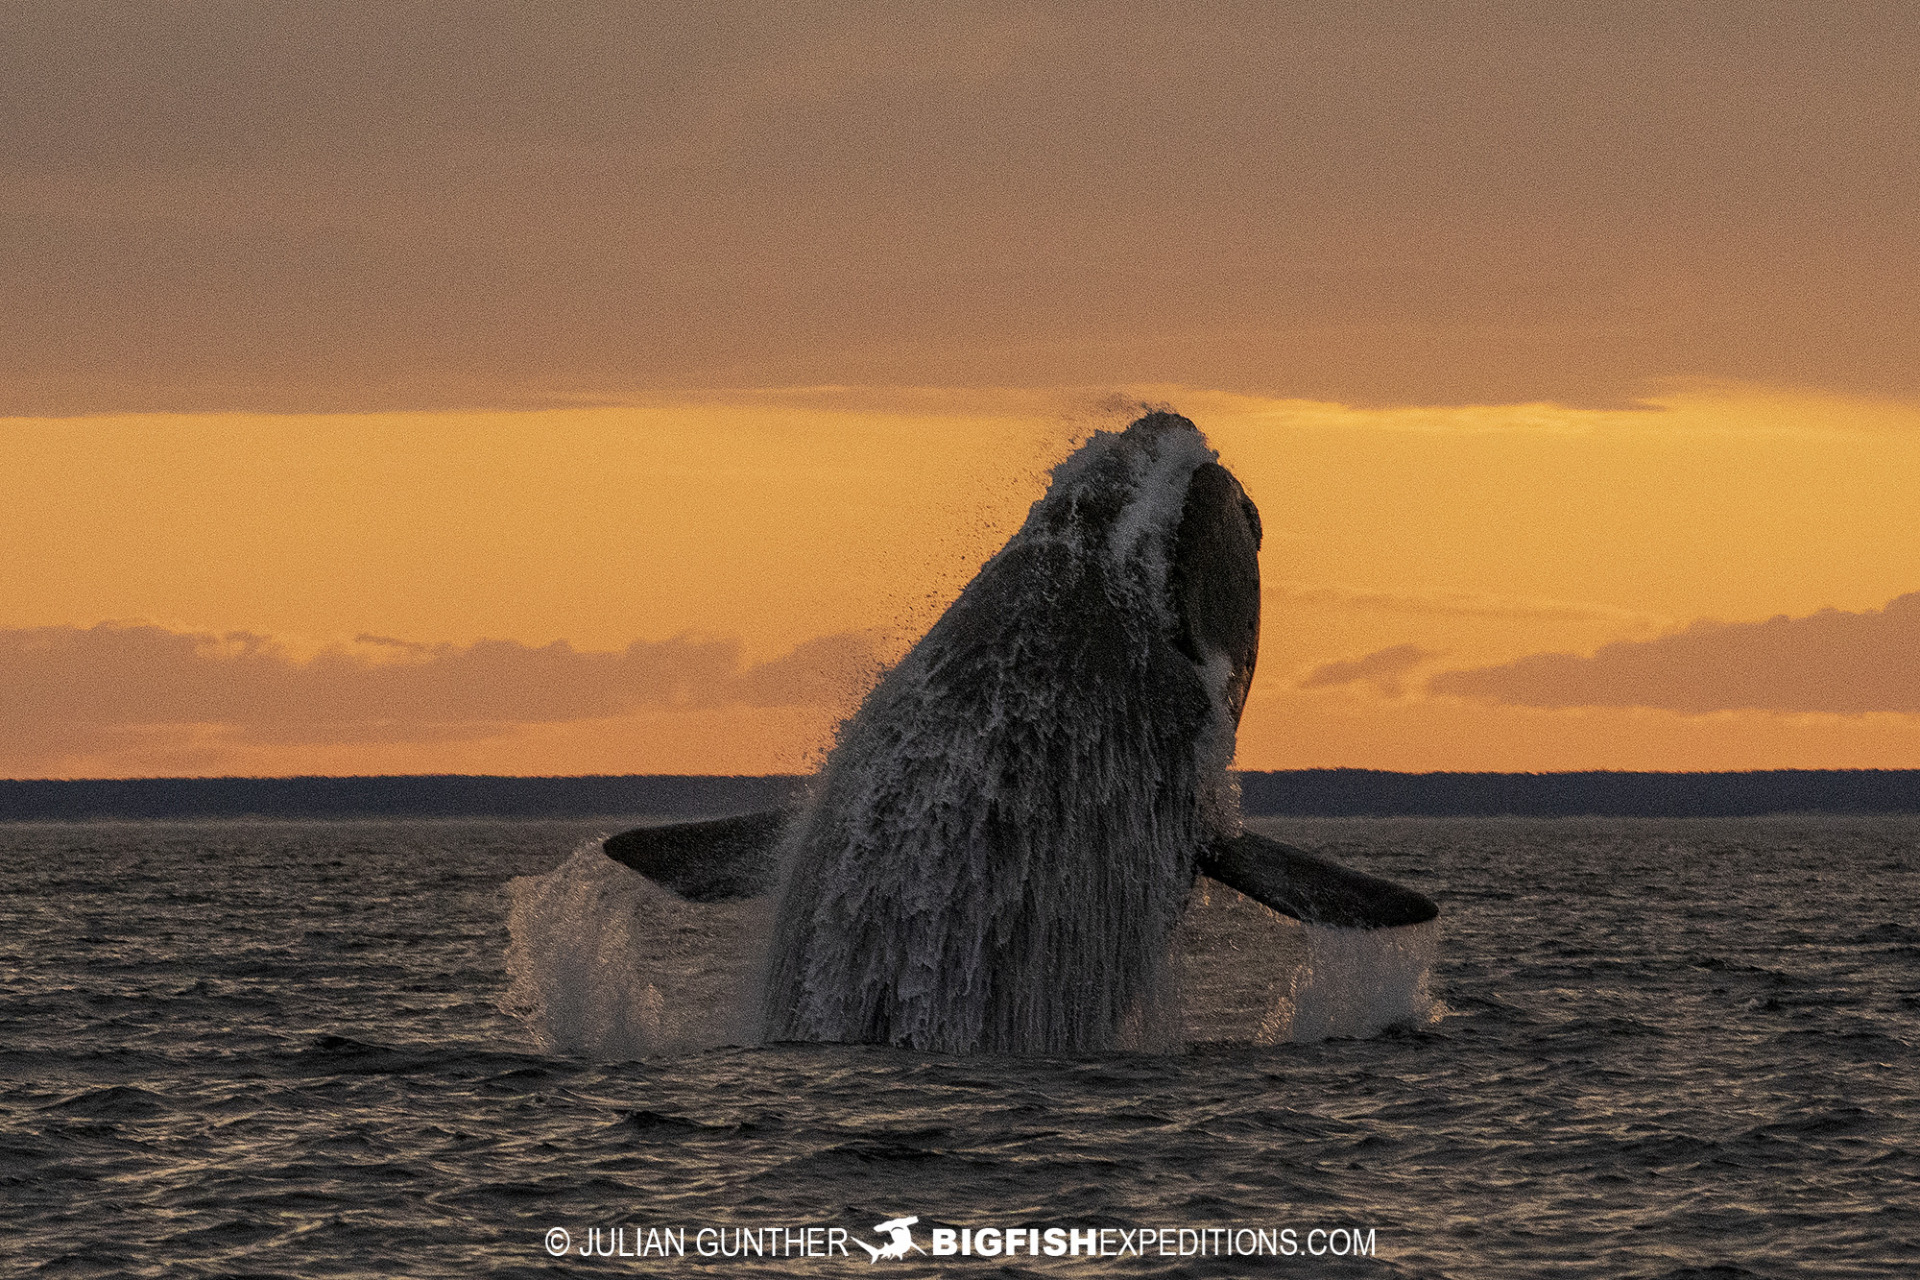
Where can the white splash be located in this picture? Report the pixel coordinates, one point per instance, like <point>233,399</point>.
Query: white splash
<point>1359,982</point>
<point>605,964</point>
<point>1249,975</point>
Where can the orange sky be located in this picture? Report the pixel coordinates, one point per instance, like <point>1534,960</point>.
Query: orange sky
<point>836,523</point>
<point>397,393</point>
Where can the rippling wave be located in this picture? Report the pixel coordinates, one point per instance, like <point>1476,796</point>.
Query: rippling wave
<point>1641,1049</point>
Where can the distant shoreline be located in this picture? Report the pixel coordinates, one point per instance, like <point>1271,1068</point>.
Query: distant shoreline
<point>1282,793</point>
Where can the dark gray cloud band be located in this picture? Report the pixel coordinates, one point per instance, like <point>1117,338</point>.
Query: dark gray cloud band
<point>1830,661</point>
<point>321,204</point>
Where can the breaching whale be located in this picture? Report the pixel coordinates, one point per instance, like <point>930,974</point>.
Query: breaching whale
<point>997,849</point>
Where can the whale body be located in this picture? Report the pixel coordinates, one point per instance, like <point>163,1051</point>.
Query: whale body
<point>1000,844</point>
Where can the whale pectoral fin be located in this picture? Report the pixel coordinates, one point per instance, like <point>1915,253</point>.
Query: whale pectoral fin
<point>1310,888</point>
<point>720,860</point>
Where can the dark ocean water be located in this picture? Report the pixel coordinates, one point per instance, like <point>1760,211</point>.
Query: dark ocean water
<point>1659,1048</point>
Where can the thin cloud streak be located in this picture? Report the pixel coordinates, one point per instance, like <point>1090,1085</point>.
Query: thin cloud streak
<point>1832,661</point>
<point>1384,669</point>
<point>1455,604</point>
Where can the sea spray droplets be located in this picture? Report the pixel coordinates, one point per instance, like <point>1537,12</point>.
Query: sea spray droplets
<point>1247,974</point>
<point>1359,982</point>
<point>605,964</point>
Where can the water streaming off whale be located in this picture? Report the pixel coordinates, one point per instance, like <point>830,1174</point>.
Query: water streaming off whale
<point>1006,830</point>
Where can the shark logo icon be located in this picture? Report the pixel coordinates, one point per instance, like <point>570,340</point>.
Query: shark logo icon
<point>902,1239</point>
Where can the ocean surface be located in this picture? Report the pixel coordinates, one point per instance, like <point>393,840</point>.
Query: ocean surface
<point>1633,1048</point>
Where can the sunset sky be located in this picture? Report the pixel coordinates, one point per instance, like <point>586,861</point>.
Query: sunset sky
<point>402,388</point>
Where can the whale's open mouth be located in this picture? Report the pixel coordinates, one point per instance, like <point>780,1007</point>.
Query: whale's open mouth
<point>1215,579</point>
